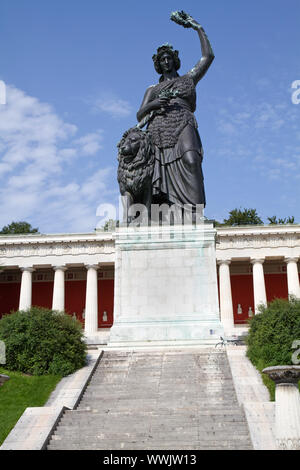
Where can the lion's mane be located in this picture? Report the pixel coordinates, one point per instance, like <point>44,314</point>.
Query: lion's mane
<point>134,175</point>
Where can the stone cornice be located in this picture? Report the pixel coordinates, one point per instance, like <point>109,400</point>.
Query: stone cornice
<point>62,244</point>
<point>55,238</point>
<point>258,230</point>
<point>258,237</point>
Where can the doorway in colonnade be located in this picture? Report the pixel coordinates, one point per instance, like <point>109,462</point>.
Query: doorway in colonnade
<point>42,287</point>
<point>75,294</point>
<point>10,285</point>
<point>75,289</point>
<point>242,294</point>
<point>276,279</point>
<point>105,296</point>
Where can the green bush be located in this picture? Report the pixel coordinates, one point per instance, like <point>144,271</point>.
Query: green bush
<point>273,331</point>
<point>41,341</point>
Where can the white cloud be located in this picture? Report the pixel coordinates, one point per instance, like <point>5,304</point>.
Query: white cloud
<point>90,143</point>
<point>95,184</point>
<point>40,179</point>
<point>111,104</point>
<point>261,135</point>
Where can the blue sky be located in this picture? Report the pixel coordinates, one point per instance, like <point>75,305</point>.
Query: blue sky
<point>76,72</point>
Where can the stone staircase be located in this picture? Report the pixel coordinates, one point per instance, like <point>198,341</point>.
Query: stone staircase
<point>157,400</point>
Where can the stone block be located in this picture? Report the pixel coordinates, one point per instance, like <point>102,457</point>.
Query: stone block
<point>3,379</point>
<point>169,281</point>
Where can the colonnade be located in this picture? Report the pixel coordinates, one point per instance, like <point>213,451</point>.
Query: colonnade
<point>259,288</point>
<point>226,305</point>
<point>58,299</point>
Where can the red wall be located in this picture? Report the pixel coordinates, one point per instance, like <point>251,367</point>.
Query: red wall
<point>276,286</point>
<point>42,294</point>
<point>9,297</point>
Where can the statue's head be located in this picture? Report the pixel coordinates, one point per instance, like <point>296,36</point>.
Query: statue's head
<point>166,57</point>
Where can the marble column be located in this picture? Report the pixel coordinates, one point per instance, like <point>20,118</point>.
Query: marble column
<point>293,277</point>
<point>226,308</point>
<point>26,289</point>
<point>91,301</point>
<point>259,287</point>
<point>58,300</point>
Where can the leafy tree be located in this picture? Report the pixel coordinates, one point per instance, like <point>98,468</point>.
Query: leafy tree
<point>272,334</point>
<point>243,217</point>
<point>18,228</point>
<point>110,225</point>
<point>216,223</point>
<point>287,220</point>
<point>273,331</point>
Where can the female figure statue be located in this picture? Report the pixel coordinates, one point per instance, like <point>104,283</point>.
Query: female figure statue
<point>168,109</point>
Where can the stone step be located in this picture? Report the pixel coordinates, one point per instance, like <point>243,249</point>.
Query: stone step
<point>103,401</point>
<point>204,445</point>
<point>147,406</point>
<point>124,377</point>
<point>162,386</point>
<point>161,438</point>
<point>103,418</point>
<point>123,427</point>
<point>154,433</point>
<point>162,414</point>
<point>153,394</point>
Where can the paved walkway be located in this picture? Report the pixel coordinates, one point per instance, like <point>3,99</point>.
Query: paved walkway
<point>254,396</point>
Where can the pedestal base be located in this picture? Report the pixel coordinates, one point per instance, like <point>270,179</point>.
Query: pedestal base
<point>165,333</point>
<point>166,286</point>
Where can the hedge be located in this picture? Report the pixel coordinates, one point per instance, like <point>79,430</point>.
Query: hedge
<point>42,341</point>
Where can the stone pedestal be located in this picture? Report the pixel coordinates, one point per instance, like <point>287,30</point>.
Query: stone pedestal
<point>3,379</point>
<point>287,406</point>
<point>166,286</point>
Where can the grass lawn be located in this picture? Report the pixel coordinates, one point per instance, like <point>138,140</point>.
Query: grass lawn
<point>20,392</point>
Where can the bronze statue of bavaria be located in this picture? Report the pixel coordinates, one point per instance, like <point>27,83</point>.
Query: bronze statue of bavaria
<point>176,153</point>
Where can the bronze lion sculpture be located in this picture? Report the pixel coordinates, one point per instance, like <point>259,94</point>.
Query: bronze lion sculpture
<point>136,163</point>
